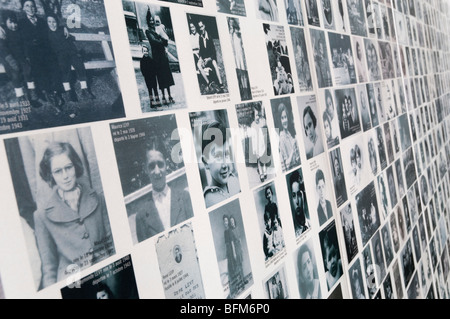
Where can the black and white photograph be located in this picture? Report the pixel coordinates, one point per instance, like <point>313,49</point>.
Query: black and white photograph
<point>331,255</point>
<point>288,147</point>
<point>231,249</point>
<point>378,21</point>
<point>372,153</point>
<point>373,65</point>
<point>58,68</point>
<point>364,108</point>
<point>370,271</point>
<point>207,54</point>
<point>342,59</point>
<point>409,167</point>
<point>299,203</point>
<point>62,208</point>
<point>254,134</point>
<point>356,280</point>
<point>370,18</point>
<point>387,244</point>
<point>178,264</point>
<point>393,198</point>
<point>400,180</point>
<point>329,119</point>
<point>394,232</point>
<point>279,60</point>
<point>356,164</point>
<point>378,256</point>
<point>388,142</point>
<point>407,263</point>
<point>388,100</point>
<point>114,281</point>
<point>372,104</point>
<point>360,59</point>
<point>195,3</point>
<point>307,273</point>
<point>240,61</point>
<point>235,7</point>
<point>397,279</point>
<point>347,111</point>
<point>301,59</point>
<point>155,56</point>
<point>215,155</point>
<point>312,129</point>
<point>357,17</point>
<point>267,10</point>
<point>348,227</point>
<point>386,60</point>
<point>153,178</point>
<point>368,214</point>
<point>321,61</point>
<point>383,193</point>
<point>380,147</point>
<point>276,285</point>
<point>414,288</point>
<point>404,132</point>
<point>340,16</point>
<point>327,14</point>
<point>294,12</point>
<point>416,241</point>
<point>323,207</point>
<point>272,234</point>
<point>312,12</point>
<point>340,190</point>
<point>388,288</point>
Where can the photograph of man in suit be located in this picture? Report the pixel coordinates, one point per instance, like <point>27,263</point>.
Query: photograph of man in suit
<point>165,207</point>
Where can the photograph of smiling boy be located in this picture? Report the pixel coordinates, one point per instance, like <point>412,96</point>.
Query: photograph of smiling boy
<point>212,141</point>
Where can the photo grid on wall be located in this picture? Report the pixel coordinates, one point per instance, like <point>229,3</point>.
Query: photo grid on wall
<point>230,149</point>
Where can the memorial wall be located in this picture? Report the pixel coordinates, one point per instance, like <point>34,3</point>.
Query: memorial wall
<point>224,149</point>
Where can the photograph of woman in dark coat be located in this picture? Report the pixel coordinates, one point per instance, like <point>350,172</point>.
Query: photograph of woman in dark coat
<point>158,44</point>
<point>72,229</point>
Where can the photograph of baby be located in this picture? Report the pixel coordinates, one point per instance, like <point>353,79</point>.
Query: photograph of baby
<point>215,155</point>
